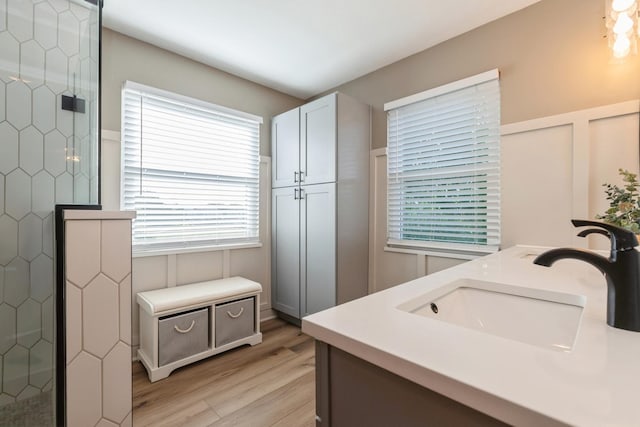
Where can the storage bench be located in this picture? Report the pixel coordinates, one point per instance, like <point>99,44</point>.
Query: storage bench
<point>184,324</point>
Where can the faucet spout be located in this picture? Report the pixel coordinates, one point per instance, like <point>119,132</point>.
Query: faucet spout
<point>621,271</point>
<point>551,256</point>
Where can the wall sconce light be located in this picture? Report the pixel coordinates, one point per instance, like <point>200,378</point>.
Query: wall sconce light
<point>623,29</point>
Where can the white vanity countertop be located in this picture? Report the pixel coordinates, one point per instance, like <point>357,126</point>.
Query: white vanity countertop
<point>597,383</point>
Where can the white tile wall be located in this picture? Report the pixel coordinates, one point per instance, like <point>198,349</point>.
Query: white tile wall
<point>98,315</point>
<point>56,71</point>
<point>44,109</point>
<point>30,237</point>
<point>73,311</point>
<point>47,324</point>
<point>16,276</point>
<point>32,63</point>
<point>16,372</point>
<point>47,236</point>
<point>3,16</point>
<point>55,152</point>
<point>34,133</point>
<point>64,118</point>
<point>27,392</point>
<point>42,194</point>
<point>59,5</point>
<point>19,100</point>
<point>41,278</point>
<point>45,20</point>
<point>29,323</point>
<point>84,390</point>
<point>64,188</point>
<point>2,96</point>
<point>86,258</point>
<point>9,233</point>
<point>125,309</point>
<point>69,33</point>
<point>115,374</point>
<point>20,21</point>
<point>40,363</point>
<point>10,54</point>
<point>9,157</point>
<point>18,194</point>
<point>7,327</point>
<point>31,150</point>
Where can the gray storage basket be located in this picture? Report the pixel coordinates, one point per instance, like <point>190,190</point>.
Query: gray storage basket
<point>182,335</point>
<point>234,320</point>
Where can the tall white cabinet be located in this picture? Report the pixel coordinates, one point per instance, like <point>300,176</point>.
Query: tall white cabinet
<point>320,180</point>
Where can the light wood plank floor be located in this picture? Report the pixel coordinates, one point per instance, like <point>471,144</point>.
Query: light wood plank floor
<point>270,384</point>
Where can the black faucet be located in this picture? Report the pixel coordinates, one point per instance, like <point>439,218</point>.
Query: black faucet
<point>621,269</point>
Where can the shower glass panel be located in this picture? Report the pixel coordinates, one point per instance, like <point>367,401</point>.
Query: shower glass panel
<point>49,56</point>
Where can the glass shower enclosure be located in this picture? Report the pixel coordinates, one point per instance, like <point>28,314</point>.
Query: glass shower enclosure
<point>49,154</point>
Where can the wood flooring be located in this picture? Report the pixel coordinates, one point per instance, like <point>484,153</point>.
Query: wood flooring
<point>270,384</point>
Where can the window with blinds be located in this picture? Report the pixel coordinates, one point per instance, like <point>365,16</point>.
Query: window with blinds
<point>443,167</point>
<point>190,170</point>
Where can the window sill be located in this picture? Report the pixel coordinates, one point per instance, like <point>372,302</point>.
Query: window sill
<point>441,252</point>
<point>178,251</point>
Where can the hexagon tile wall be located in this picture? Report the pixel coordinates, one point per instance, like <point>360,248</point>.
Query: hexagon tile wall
<point>48,48</point>
<point>98,318</point>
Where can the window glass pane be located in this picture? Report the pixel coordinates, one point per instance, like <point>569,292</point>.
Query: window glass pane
<point>444,169</point>
<point>191,172</point>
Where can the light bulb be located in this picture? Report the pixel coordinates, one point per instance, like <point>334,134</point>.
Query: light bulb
<point>621,5</point>
<point>621,47</point>
<point>623,24</point>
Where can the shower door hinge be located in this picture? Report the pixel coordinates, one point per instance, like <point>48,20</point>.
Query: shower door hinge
<point>73,103</point>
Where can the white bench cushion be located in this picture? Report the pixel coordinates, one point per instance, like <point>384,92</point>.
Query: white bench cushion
<point>185,296</point>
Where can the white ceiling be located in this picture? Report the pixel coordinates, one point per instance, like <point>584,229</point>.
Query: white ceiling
<point>300,47</point>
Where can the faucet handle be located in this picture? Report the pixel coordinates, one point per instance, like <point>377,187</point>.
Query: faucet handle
<point>612,238</point>
<point>621,239</point>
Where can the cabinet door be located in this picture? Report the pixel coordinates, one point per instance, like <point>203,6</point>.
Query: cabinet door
<point>318,136</point>
<point>285,148</point>
<point>285,251</point>
<point>318,247</point>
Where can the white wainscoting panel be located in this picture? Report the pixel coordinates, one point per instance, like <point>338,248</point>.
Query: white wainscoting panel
<point>536,187</point>
<point>601,141</point>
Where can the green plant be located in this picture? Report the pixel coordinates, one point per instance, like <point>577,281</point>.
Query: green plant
<point>624,202</point>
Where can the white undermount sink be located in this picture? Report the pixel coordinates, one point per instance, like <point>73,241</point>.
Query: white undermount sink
<point>543,318</point>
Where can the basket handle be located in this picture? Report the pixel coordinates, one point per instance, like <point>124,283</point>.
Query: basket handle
<point>185,331</point>
<point>235,316</point>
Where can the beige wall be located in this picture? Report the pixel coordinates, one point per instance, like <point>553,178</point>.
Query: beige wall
<point>125,58</point>
<point>552,59</point>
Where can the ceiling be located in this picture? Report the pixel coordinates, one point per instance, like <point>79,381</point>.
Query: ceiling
<point>300,47</point>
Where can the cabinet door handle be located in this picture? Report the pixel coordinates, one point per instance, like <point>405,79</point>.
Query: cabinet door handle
<point>235,316</point>
<point>295,194</point>
<point>185,331</point>
<point>301,194</point>
<point>295,176</point>
<point>301,176</point>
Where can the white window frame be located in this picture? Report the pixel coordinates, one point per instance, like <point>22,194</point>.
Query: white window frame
<point>395,242</point>
<point>145,249</point>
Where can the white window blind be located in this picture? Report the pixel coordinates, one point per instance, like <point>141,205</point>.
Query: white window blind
<point>189,169</point>
<point>443,167</point>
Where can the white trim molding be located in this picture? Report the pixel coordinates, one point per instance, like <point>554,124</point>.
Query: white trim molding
<point>450,87</point>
